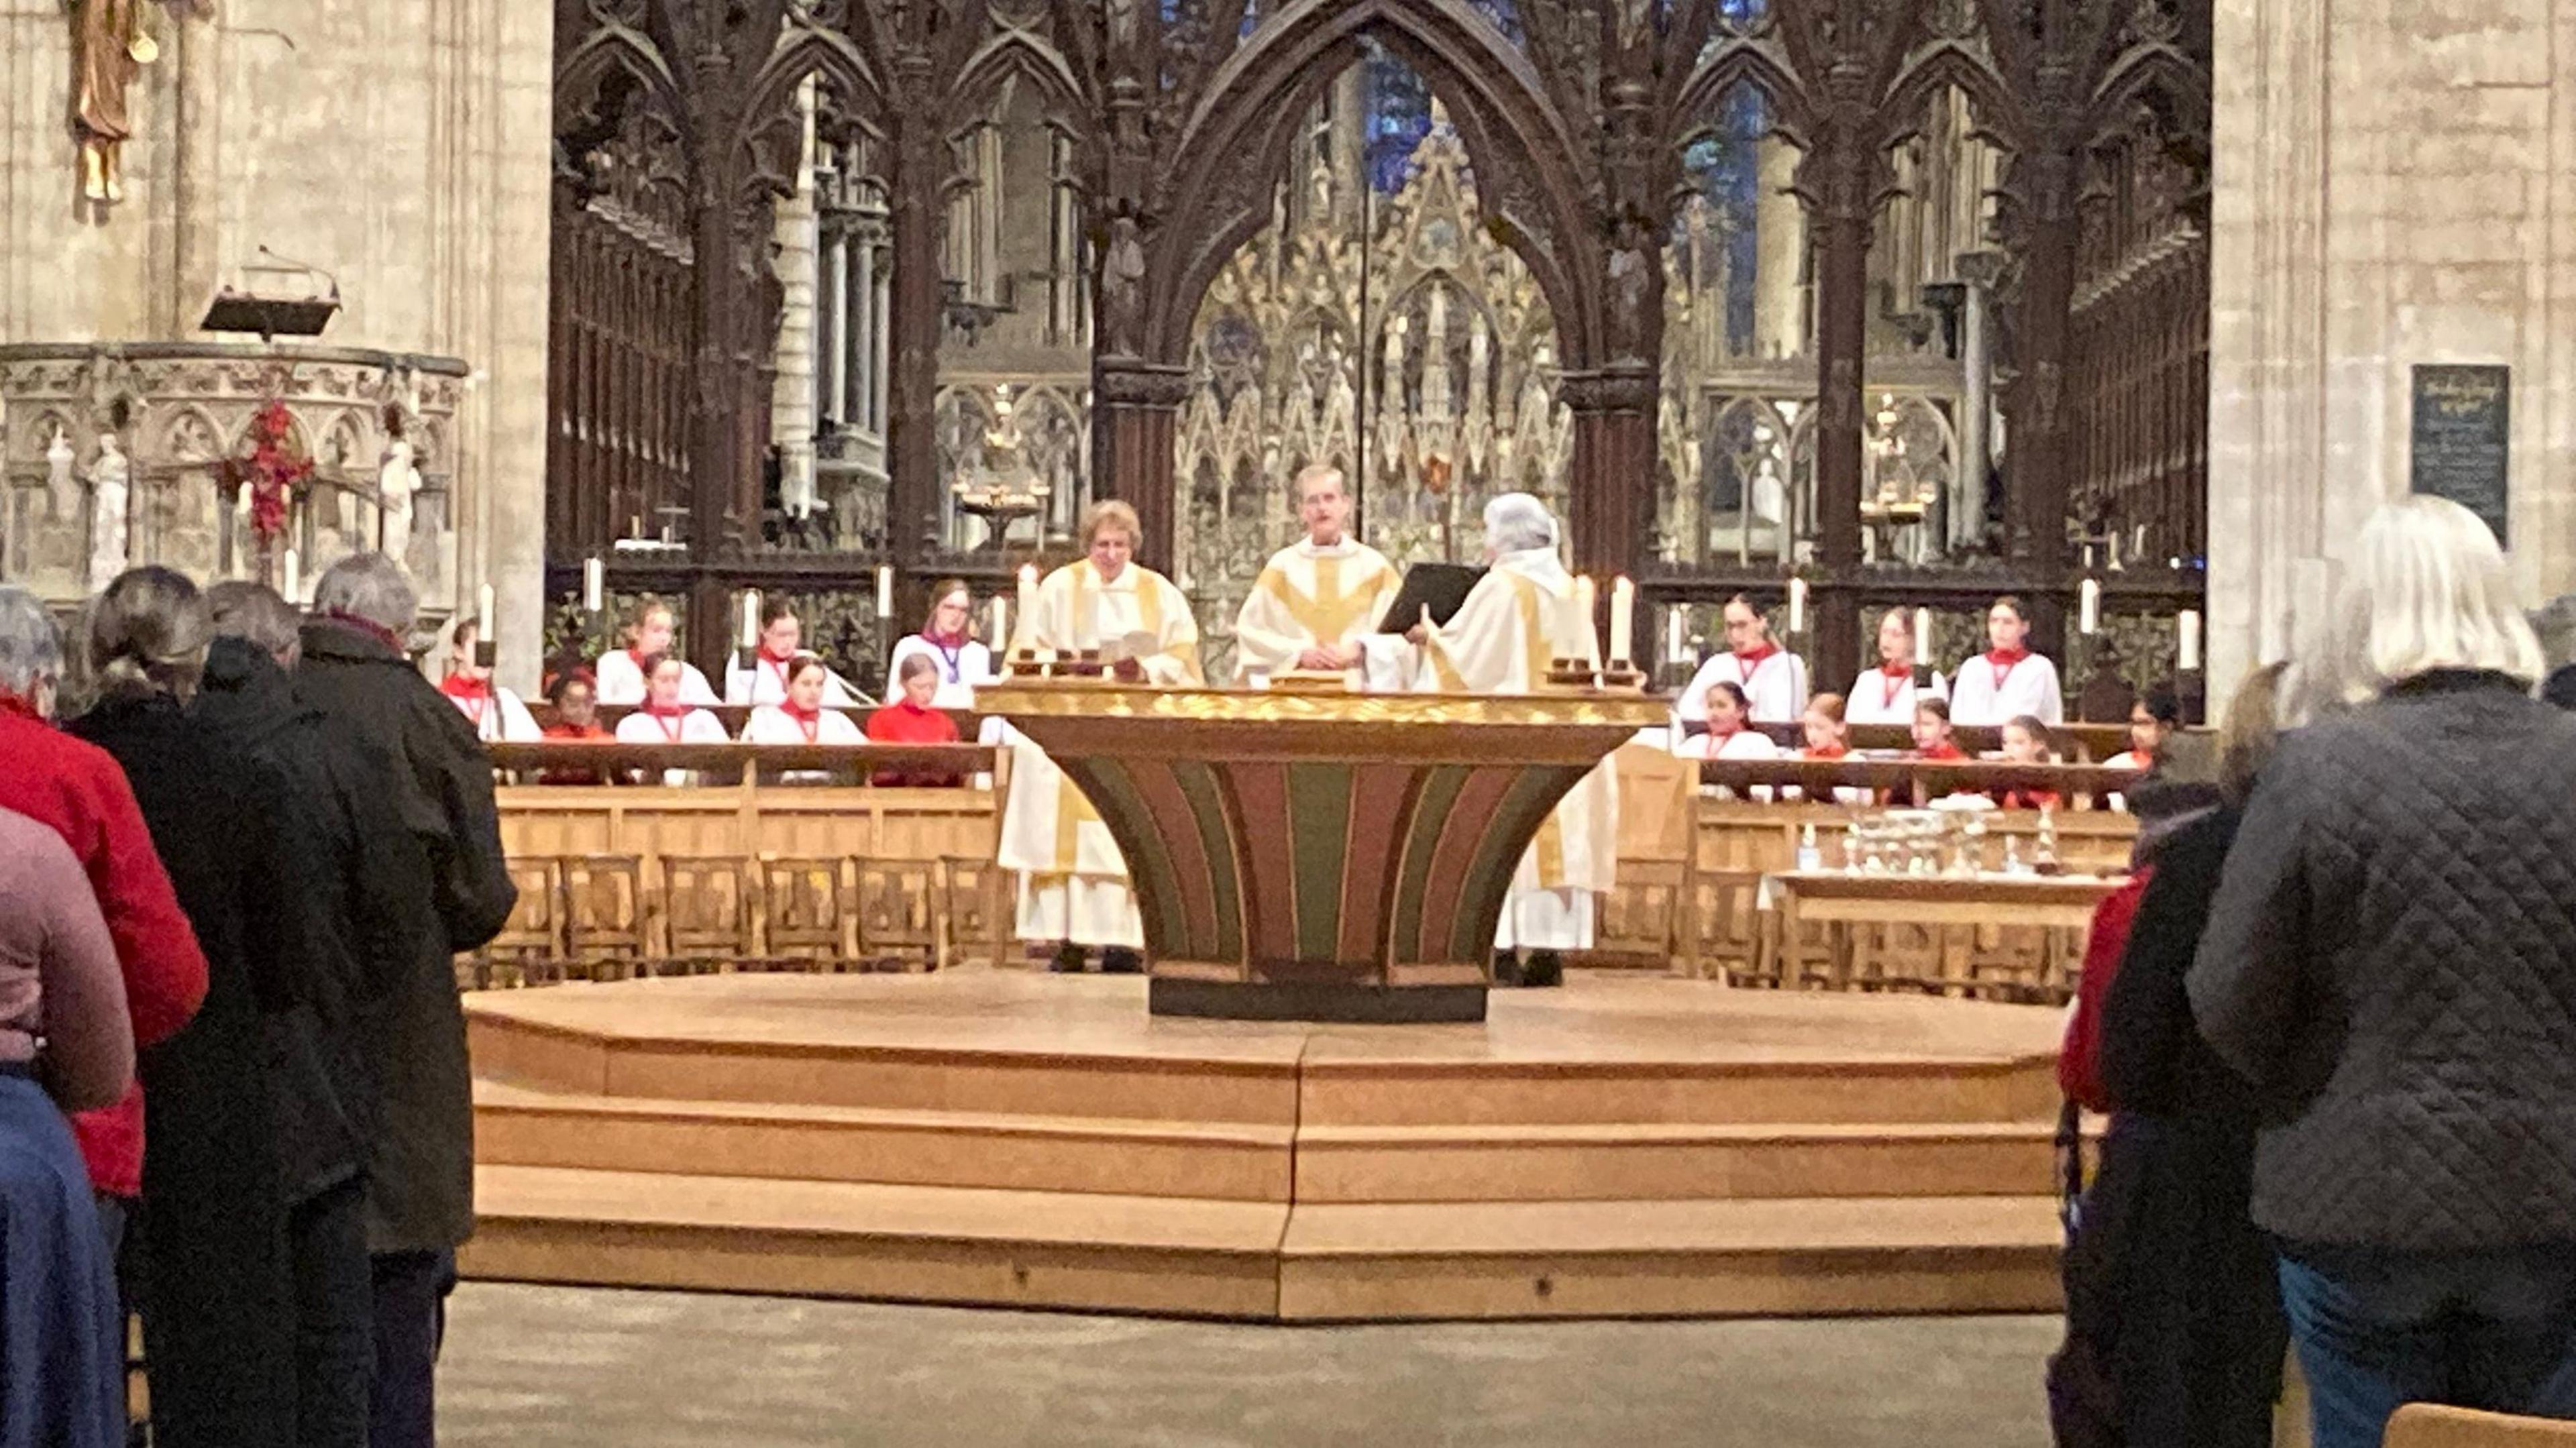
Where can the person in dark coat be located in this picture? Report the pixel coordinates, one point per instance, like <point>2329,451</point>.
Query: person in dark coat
<point>420,1191</point>
<point>2391,962</point>
<point>374,904</point>
<point>218,1304</point>
<point>2199,1335</point>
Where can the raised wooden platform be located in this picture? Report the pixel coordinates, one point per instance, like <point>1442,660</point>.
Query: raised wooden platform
<point>1620,1147</point>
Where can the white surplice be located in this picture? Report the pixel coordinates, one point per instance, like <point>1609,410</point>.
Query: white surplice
<point>765,682</point>
<point>1309,596</point>
<point>1521,615</point>
<point>499,719</point>
<point>695,727</point>
<point>1073,881</point>
<point>1775,684</point>
<point>621,680</point>
<point>960,670</point>
<point>1880,698</point>
<point>1991,693</point>
<point>770,724</point>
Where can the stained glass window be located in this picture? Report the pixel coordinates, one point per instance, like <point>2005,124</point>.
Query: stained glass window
<point>1506,15</point>
<point>1396,115</point>
<point>1724,169</point>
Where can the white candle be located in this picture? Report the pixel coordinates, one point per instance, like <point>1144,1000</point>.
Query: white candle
<point>2089,611</point>
<point>1001,629</point>
<point>594,585</point>
<point>885,591</point>
<point>1676,651</point>
<point>751,618</point>
<point>483,614</point>
<point>294,575</point>
<point>1797,605</point>
<point>1923,638</point>
<point>1587,599</point>
<point>1028,592</point>
<point>2189,659</point>
<point>1623,621</point>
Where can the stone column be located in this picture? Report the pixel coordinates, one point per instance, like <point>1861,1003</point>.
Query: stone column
<point>1978,272</point>
<point>1612,414</point>
<point>1780,250</point>
<point>792,417</point>
<point>1134,411</point>
<point>1841,174</point>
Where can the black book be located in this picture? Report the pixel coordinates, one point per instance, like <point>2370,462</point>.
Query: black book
<point>1439,587</point>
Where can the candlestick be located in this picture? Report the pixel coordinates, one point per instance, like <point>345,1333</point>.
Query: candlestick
<point>1028,592</point>
<point>1923,637</point>
<point>1623,621</point>
<point>1587,597</point>
<point>2089,611</point>
<point>1675,650</point>
<point>885,591</point>
<point>594,585</point>
<point>751,618</point>
<point>2188,659</point>
<point>1797,605</point>
<point>294,575</point>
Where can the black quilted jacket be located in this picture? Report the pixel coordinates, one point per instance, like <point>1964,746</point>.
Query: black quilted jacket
<point>2392,960</point>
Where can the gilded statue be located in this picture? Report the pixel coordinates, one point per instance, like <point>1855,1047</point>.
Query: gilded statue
<point>109,48</point>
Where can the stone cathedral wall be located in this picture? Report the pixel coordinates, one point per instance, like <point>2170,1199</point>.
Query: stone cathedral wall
<point>403,148</point>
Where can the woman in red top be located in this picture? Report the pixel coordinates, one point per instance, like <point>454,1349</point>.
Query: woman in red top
<point>2026,742</point>
<point>912,720</point>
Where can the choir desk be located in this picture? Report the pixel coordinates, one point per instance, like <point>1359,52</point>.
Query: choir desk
<point>2057,905</point>
<point>1317,854</point>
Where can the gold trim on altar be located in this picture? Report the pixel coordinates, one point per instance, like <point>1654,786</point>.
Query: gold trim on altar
<point>1094,699</point>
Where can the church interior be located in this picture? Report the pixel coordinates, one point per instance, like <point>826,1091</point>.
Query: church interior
<point>1126,721</point>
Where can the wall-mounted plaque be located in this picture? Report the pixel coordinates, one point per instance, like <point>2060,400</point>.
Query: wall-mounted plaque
<point>2462,442</point>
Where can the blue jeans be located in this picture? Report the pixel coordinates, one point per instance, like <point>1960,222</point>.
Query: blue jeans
<point>2494,1330</point>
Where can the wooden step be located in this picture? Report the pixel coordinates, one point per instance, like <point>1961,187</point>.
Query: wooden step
<point>1222,1161</point>
<point>1682,1258</point>
<point>1650,1162</point>
<point>1361,1092</point>
<point>904,1243</point>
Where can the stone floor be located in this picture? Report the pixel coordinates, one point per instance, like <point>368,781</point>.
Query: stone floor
<point>546,1367</point>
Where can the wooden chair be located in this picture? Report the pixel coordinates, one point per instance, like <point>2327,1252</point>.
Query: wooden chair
<point>975,915</point>
<point>1736,845</point>
<point>2424,1425</point>
<point>898,913</point>
<point>805,912</point>
<point>608,919</point>
<point>706,913</point>
<point>1649,916</point>
<point>533,937</point>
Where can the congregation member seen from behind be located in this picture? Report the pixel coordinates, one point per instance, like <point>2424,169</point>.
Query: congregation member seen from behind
<point>420,1173</point>
<point>64,1046</point>
<point>2391,962</point>
<point>221,1321</point>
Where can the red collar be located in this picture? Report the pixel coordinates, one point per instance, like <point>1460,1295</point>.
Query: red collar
<point>2006,658</point>
<point>1752,658</point>
<point>457,686</point>
<point>922,711</point>
<point>1946,749</point>
<point>1897,671</point>
<point>371,629</point>
<point>801,716</point>
<point>1830,751</point>
<point>24,709</point>
<point>952,643</point>
<point>780,660</point>
<point>672,711</point>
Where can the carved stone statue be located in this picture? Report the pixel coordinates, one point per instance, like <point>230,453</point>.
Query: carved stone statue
<point>1122,289</point>
<point>397,483</point>
<point>62,492</point>
<point>1629,284</point>
<point>109,480</point>
<point>109,47</point>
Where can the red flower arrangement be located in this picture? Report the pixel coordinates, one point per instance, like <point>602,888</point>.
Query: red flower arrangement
<point>272,472</point>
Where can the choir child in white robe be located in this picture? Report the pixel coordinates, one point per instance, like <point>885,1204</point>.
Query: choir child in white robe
<point>1731,734</point>
<point>1318,598</point>
<point>620,672</point>
<point>496,713</point>
<point>1519,617</point>
<point>668,718</point>
<point>947,639</point>
<point>2154,719</point>
<point>2008,679</point>
<point>1774,679</point>
<point>764,680</point>
<point>1073,881</point>
<point>802,717</point>
<point>1885,695</point>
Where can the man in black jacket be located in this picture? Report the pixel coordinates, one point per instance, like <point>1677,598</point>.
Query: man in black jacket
<point>420,1191</point>
<point>370,903</point>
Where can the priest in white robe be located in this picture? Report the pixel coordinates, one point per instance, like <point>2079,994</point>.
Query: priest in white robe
<point>1886,694</point>
<point>1774,679</point>
<point>1317,599</point>
<point>1521,615</point>
<point>1073,881</point>
<point>2008,680</point>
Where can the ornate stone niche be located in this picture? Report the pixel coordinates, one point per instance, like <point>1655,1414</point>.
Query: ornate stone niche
<point>178,411</point>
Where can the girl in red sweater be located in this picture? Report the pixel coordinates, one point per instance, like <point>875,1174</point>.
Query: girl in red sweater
<point>911,720</point>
